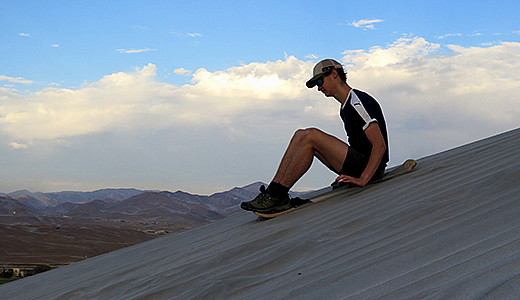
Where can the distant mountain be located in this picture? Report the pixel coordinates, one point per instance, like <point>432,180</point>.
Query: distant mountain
<point>41,201</point>
<point>64,208</point>
<point>163,206</point>
<point>75,197</point>
<point>90,209</point>
<point>12,207</point>
<point>253,187</point>
<point>38,202</point>
<point>181,208</point>
<point>25,192</point>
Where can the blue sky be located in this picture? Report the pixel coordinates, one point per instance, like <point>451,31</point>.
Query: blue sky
<point>204,95</point>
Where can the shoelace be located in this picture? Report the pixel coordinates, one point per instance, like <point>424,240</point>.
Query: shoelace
<point>265,200</point>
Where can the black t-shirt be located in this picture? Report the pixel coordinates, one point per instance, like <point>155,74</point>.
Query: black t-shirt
<point>358,112</point>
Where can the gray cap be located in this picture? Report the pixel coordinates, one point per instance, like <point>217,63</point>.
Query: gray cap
<point>321,68</point>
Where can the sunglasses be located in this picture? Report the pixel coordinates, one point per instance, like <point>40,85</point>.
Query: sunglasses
<point>320,80</point>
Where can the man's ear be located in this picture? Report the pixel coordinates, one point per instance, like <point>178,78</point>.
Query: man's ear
<point>334,73</point>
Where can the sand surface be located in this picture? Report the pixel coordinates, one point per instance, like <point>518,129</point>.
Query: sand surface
<point>448,230</point>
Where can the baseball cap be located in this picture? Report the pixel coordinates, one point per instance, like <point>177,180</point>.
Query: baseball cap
<point>321,68</point>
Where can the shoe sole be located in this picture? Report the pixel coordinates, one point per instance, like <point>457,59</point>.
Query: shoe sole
<point>270,210</point>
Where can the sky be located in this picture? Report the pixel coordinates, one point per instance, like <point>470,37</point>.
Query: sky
<point>203,96</point>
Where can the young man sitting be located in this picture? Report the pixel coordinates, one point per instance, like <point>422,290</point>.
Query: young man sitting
<point>362,160</point>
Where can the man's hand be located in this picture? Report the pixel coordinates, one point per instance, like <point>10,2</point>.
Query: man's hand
<point>375,137</point>
<point>351,180</point>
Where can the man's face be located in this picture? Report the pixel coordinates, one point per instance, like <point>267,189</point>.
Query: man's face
<point>325,85</point>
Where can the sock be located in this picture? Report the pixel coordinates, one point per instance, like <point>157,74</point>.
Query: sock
<point>277,189</point>
<point>272,186</point>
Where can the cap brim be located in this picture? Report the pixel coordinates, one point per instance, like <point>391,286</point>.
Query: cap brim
<point>313,81</point>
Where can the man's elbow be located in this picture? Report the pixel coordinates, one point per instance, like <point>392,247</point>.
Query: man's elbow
<point>379,143</point>
<point>383,147</point>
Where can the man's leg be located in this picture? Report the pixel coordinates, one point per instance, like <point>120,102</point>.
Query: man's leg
<point>304,146</point>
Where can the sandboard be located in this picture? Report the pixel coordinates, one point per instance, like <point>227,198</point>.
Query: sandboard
<point>336,189</point>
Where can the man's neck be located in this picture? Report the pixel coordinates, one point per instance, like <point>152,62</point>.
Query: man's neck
<point>342,93</point>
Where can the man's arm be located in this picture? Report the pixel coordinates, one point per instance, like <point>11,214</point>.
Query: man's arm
<point>375,137</point>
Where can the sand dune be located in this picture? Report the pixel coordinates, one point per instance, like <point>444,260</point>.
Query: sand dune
<point>448,230</point>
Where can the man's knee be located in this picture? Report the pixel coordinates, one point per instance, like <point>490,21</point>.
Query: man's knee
<point>308,133</point>
<point>299,134</point>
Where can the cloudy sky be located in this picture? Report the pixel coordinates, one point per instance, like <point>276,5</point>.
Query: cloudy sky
<point>203,96</point>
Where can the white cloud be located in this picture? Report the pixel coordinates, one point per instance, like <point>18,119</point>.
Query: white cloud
<point>366,24</point>
<point>55,46</point>
<point>19,146</point>
<point>25,34</point>
<point>401,50</point>
<point>181,34</point>
<point>126,51</point>
<point>476,33</point>
<point>15,79</point>
<point>129,101</point>
<point>182,72</point>
<point>54,113</point>
<point>440,37</point>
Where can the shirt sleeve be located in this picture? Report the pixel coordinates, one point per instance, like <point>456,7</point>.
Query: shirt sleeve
<point>360,109</point>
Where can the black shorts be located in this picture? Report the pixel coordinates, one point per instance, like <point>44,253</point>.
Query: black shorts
<point>355,163</point>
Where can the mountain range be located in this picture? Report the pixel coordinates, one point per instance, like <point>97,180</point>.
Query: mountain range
<point>179,207</point>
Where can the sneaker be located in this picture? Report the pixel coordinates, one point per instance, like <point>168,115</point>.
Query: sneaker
<point>266,203</point>
<point>246,205</point>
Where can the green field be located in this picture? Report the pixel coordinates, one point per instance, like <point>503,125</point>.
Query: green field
<point>6,280</point>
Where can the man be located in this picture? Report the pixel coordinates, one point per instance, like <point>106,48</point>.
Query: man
<point>365,159</point>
